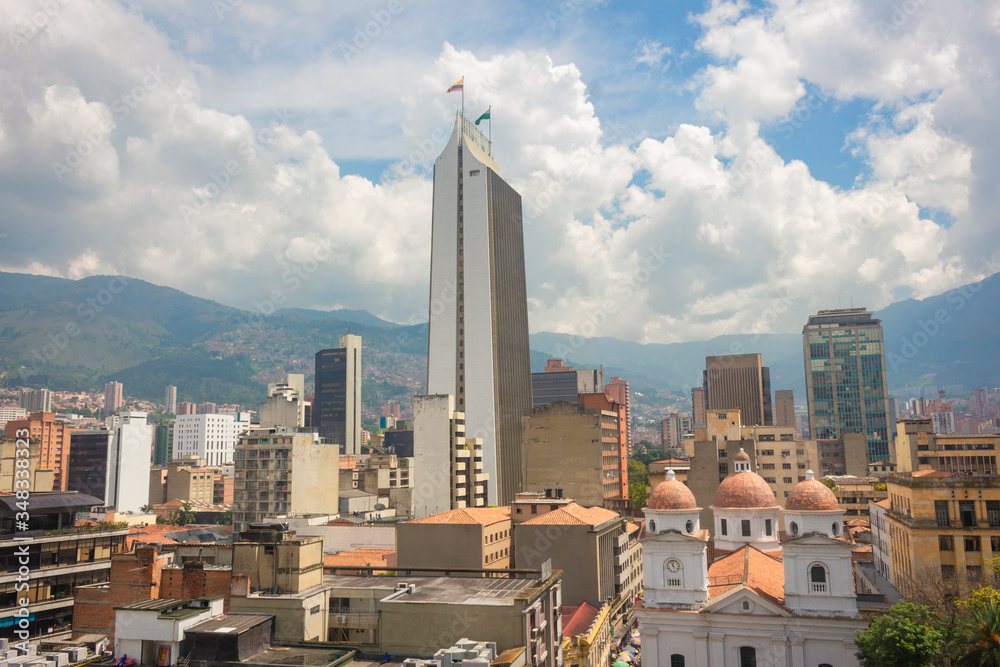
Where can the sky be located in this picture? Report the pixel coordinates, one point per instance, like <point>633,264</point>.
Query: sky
<point>688,169</point>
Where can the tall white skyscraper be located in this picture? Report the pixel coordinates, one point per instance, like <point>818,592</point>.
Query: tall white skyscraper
<point>478,336</point>
<point>170,399</point>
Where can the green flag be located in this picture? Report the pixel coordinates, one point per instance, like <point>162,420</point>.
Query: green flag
<point>485,116</point>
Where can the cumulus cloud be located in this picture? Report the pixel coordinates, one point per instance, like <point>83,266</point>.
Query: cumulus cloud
<point>125,147</point>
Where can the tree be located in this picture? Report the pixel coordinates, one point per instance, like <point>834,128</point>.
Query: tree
<point>638,494</point>
<point>637,472</point>
<point>829,483</point>
<point>982,631</point>
<point>146,509</point>
<point>903,637</point>
<point>226,519</point>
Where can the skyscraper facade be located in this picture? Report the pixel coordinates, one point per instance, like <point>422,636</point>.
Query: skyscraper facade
<point>336,408</point>
<point>617,389</point>
<point>170,399</point>
<point>740,381</point>
<point>845,377</point>
<point>114,398</point>
<point>477,348</point>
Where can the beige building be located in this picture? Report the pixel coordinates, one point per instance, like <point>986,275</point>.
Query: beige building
<point>39,479</point>
<point>182,482</point>
<point>854,493</point>
<point>591,547</point>
<point>587,636</point>
<point>472,538</point>
<point>847,455</point>
<point>941,525</point>
<point>775,454</point>
<point>278,471</point>
<point>739,382</point>
<point>285,579</point>
<point>573,451</point>
<point>919,448</point>
<point>784,408</point>
<point>527,505</point>
<point>658,471</point>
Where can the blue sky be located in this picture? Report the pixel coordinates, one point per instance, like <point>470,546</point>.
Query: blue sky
<point>781,155</point>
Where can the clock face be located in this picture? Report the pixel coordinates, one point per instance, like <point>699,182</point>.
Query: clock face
<point>673,565</point>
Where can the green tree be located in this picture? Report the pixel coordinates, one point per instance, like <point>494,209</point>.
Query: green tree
<point>146,509</point>
<point>637,472</point>
<point>185,515</point>
<point>226,519</point>
<point>638,494</point>
<point>903,637</point>
<point>982,632</point>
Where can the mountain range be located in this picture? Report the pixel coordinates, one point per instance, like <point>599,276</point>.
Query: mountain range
<point>78,334</point>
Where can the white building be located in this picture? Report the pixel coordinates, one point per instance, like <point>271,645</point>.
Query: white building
<point>209,437</point>
<point>285,405</point>
<point>791,604</point>
<point>9,413</point>
<point>129,458</point>
<point>170,399</point>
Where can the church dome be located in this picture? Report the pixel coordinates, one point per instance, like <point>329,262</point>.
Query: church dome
<point>741,456</point>
<point>744,490</point>
<point>671,495</point>
<point>811,495</point>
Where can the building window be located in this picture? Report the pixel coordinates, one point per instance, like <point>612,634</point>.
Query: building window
<point>972,544</point>
<point>767,527</point>
<point>948,572</point>
<point>793,528</point>
<point>676,660</point>
<point>967,513</point>
<point>993,513</point>
<point>723,527</point>
<point>817,579</point>
<point>786,466</point>
<point>941,512</point>
<point>689,526</point>
<point>788,480</point>
<point>946,543</point>
<point>748,656</point>
<point>746,527</point>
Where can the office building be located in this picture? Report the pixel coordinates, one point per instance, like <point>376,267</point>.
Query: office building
<point>53,438</point>
<point>35,400</point>
<point>110,464</point>
<point>919,447</point>
<point>163,444</point>
<point>618,439</point>
<point>697,406</point>
<point>10,413</point>
<point>336,408</point>
<point>285,405</point>
<point>170,399</point>
<point>784,408</point>
<point>477,347</point>
<point>673,429</point>
<point>207,408</point>
<point>617,389</point>
<point>739,381</point>
<point>185,482</point>
<point>845,378</point>
<point>559,382</point>
<point>448,466</point>
<point>209,436</point>
<point>575,451</point>
<point>981,401</point>
<point>114,398</point>
<point>278,471</point>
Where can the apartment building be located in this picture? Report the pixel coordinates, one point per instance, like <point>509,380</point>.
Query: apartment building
<point>918,447</point>
<point>53,438</point>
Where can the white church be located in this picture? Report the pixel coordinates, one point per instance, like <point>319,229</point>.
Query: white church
<point>762,601</point>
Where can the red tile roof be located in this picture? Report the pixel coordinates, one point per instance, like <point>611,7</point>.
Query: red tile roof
<point>573,515</point>
<point>484,516</point>
<point>359,558</point>
<point>671,495</point>
<point>577,620</point>
<point>750,568</point>
<point>811,495</point>
<point>744,490</point>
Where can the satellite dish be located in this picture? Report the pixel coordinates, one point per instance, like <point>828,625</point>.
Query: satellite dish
<point>379,506</point>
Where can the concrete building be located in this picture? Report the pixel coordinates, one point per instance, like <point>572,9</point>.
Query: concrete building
<point>477,348</point>
<point>10,413</point>
<point>472,538</point>
<point>336,406</point>
<point>784,408</point>
<point>658,471</point>
<point>39,478</point>
<point>184,482</point>
<point>448,467</point>
<point>416,615</point>
<point>170,399</point>
<point>881,553</point>
<point>163,443</point>
<point>286,579</point>
<point>591,547</point>
<point>604,402</point>
<point>53,438</point>
<point>277,471</point>
<point>742,382</point>
<point>747,606</point>
<point>919,447</point>
<point>617,389</point>
<point>587,637</point>
<point>186,408</point>
<point>574,451</point>
<point>35,400</point>
<point>151,631</point>
<point>673,429</point>
<point>209,436</point>
<point>845,378</point>
<point>285,406</point>
<point>855,494</point>
<point>559,382</point>
<point>114,398</point>
<point>846,455</point>
<point>128,463</point>
<point>60,558</point>
<point>941,526</point>
<point>697,407</point>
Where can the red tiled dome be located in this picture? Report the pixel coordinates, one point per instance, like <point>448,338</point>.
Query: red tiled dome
<point>744,490</point>
<point>741,456</point>
<point>811,495</point>
<point>671,495</point>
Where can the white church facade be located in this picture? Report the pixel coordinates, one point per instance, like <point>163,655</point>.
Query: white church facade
<point>762,601</point>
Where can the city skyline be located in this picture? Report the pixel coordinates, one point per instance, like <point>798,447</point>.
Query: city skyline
<point>874,145</point>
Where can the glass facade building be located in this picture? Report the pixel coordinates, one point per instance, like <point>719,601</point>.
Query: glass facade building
<point>845,378</point>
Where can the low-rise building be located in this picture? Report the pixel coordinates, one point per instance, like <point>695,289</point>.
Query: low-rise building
<point>472,538</point>
<point>918,447</point>
<point>587,637</point>
<point>855,493</point>
<point>39,478</point>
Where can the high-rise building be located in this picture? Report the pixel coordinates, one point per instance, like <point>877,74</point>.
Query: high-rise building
<point>698,407</point>
<point>209,436</point>
<point>477,348</point>
<point>336,409</point>
<point>207,408</point>
<point>114,398</point>
<point>617,389</point>
<point>980,401</point>
<point>110,464</point>
<point>784,408</point>
<point>170,399</point>
<point>845,377</point>
<point>10,413</point>
<point>672,430</point>
<point>54,439</point>
<point>559,382</point>
<point>739,381</point>
<point>163,444</point>
<point>186,408</point>
<point>35,400</point>
<point>286,403</point>
<point>448,467</point>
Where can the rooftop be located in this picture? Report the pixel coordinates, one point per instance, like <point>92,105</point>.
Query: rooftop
<point>577,620</point>
<point>750,568</point>
<point>484,516</point>
<point>573,515</point>
<point>451,590</point>
<point>230,624</point>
